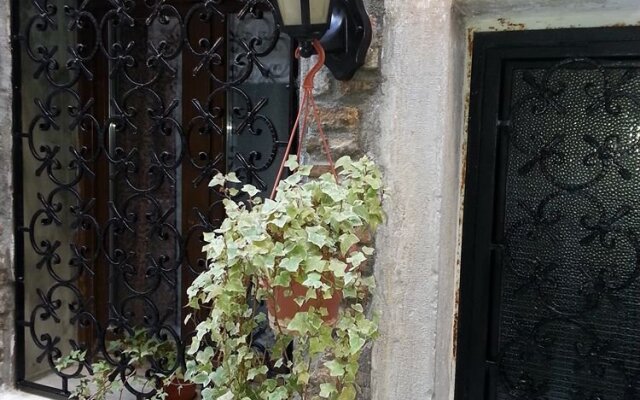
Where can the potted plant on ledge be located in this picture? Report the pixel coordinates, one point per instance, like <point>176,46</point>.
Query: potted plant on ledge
<point>120,371</point>
<point>303,253</point>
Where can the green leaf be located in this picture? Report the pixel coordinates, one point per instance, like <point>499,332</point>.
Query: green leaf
<point>327,390</point>
<point>356,259</point>
<point>303,378</point>
<point>291,264</point>
<point>343,162</point>
<point>373,181</point>
<point>253,372</point>
<point>281,221</point>
<point>283,279</point>
<point>317,235</point>
<point>346,241</point>
<point>294,179</point>
<point>338,267</point>
<point>218,180</point>
<point>292,163</point>
<point>355,343</point>
<point>233,178</point>
<point>279,394</point>
<point>368,250</point>
<point>335,368</point>
<point>300,300</point>
<point>269,206</point>
<point>250,190</point>
<point>305,170</point>
<point>205,355</point>
<point>358,307</point>
<point>348,393</point>
<point>299,323</point>
<point>316,264</point>
<point>227,396</point>
<point>314,280</point>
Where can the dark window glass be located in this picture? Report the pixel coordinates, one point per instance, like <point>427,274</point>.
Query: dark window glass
<point>128,109</point>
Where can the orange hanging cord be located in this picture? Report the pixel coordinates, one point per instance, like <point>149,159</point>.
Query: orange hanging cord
<point>308,108</point>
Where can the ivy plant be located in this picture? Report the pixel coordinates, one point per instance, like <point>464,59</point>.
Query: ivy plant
<point>129,354</point>
<point>316,233</point>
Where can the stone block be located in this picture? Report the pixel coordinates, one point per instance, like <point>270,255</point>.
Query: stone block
<point>372,62</point>
<point>322,84</point>
<point>339,118</point>
<point>356,86</point>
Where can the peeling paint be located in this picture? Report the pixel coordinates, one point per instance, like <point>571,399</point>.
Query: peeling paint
<point>506,24</point>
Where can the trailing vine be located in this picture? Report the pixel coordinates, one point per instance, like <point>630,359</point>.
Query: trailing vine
<point>314,235</point>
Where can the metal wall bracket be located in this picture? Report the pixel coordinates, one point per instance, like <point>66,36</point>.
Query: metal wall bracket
<point>348,38</point>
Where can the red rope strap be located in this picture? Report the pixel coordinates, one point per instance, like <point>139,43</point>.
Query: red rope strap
<point>308,108</point>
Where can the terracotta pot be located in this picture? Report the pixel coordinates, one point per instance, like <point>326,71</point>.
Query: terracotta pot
<point>178,389</point>
<point>287,308</point>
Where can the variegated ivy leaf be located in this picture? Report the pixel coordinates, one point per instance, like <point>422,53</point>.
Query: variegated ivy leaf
<point>251,190</point>
<point>292,163</point>
<point>218,180</point>
<point>291,263</point>
<point>336,368</point>
<point>318,235</point>
<point>327,390</point>
<point>233,178</point>
<point>346,241</point>
<point>314,280</point>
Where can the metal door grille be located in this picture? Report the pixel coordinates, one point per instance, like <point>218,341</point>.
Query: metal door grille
<point>551,291</point>
<point>124,110</point>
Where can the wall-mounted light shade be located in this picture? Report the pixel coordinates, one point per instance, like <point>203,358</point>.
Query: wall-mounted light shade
<point>342,26</point>
<point>319,11</point>
<point>304,19</point>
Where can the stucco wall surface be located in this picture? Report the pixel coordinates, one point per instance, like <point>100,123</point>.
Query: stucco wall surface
<point>417,144</point>
<point>6,202</point>
<point>489,7</point>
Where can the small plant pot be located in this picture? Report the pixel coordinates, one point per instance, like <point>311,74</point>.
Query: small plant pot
<point>282,308</point>
<point>178,389</point>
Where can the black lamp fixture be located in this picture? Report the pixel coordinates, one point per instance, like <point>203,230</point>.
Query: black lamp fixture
<point>342,26</point>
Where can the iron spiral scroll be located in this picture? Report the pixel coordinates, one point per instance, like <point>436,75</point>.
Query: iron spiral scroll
<point>129,108</point>
<point>571,260</point>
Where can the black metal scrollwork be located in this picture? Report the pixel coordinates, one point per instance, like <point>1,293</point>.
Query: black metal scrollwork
<point>118,158</point>
<point>569,311</point>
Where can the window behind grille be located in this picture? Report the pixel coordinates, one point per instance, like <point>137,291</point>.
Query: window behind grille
<point>125,111</point>
<point>550,305</point>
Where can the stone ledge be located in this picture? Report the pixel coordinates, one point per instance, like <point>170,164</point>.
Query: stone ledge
<point>12,394</point>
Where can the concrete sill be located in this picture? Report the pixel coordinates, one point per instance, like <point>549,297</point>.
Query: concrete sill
<point>12,394</point>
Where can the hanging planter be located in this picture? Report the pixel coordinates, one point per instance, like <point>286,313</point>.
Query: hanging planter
<point>283,307</point>
<point>301,251</point>
<point>179,389</point>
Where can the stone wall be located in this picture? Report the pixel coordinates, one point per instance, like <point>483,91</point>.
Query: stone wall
<point>348,108</point>
<point>6,202</point>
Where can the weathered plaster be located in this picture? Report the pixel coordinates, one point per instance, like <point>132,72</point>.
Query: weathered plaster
<point>496,7</point>
<point>6,202</point>
<point>504,15</point>
<point>421,143</point>
<point>417,144</point>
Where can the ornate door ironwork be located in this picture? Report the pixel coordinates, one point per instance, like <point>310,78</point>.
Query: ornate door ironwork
<point>550,296</point>
<point>125,109</point>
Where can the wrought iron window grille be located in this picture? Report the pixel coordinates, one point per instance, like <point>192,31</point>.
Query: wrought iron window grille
<point>124,110</point>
